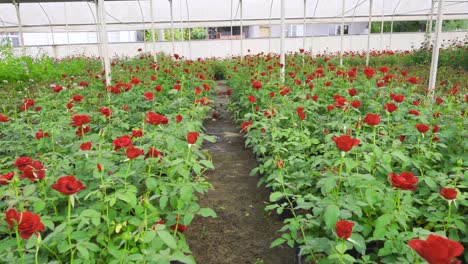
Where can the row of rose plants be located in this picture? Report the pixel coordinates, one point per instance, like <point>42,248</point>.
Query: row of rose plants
<point>364,165</point>
<point>95,173</point>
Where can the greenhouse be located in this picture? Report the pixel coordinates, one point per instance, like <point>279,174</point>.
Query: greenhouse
<point>233,131</point>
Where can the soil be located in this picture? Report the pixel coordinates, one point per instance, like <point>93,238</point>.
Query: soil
<point>243,230</point>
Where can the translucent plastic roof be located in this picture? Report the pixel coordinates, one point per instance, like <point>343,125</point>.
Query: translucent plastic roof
<point>121,12</point>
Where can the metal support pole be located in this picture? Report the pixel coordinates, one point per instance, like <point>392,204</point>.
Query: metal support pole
<point>172,27</point>
<point>241,31</point>
<point>189,30</point>
<point>283,29</point>
<point>66,28</point>
<point>382,25</point>
<point>391,26</point>
<point>153,37</point>
<point>305,26</point>
<point>431,15</point>
<point>232,2</point>
<point>435,50</point>
<point>269,26</point>
<point>97,21</point>
<point>20,27</point>
<point>104,40</point>
<point>342,31</point>
<point>369,33</point>
<point>54,50</point>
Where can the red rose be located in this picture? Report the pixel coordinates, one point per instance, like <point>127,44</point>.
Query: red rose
<point>197,90</point>
<point>369,72</point>
<point>77,98</point>
<point>105,111</point>
<point>245,126</point>
<point>156,119</point>
<point>252,98</point>
<point>448,193</point>
<point>180,228</point>
<point>356,104</point>
<point>4,119</point>
<point>79,120</point>
<point>22,162</point>
<point>414,112</point>
<point>344,229</point>
<point>422,128</point>
<point>315,98</point>
<point>279,164</point>
<point>34,171</point>
<point>122,142</point>
<point>80,131</point>
<point>192,137</point>
<point>178,118</point>
<point>6,178</point>
<point>68,185</point>
<point>352,92</point>
<point>300,113</point>
<point>345,142</point>
<point>372,119</point>
<point>413,80</point>
<point>133,152</point>
<point>148,96</point>
<point>436,249</point>
<point>158,88</point>
<point>404,181</point>
<point>402,138</point>
<point>86,146</point>
<point>136,133</point>
<point>439,100</point>
<point>256,85</point>
<point>397,97</point>
<point>435,129</point>
<point>177,87</point>
<point>153,153</point>
<point>390,107</point>
<point>41,134</point>
<point>28,223</point>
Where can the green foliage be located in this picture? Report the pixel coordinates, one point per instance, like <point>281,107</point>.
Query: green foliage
<point>195,33</point>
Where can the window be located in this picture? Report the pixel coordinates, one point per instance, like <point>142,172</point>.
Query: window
<point>295,30</point>
<point>12,37</point>
<point>338,30</point>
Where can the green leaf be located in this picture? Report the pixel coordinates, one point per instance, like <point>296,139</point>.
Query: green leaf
<point>128,197</point>
<point>29,189</point>
<point>167,239</point>
<point>208,164</point>
<point>152,184</point>
<point>332,212</point>
<point>39,206</point>
<point>430,182</point>
<point>205,212</point>
<point>371,196</point>
<point>380,224</point>
<point>276,196</point>
<point>83,251</point>
<point>163,201</point>
<point>188,218</point>
<point>149,236</point>
<point>277,242</point>
<point>186,193</point>
<point>179,256</point>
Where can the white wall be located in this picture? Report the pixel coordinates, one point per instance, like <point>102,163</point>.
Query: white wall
<point>224,48</point>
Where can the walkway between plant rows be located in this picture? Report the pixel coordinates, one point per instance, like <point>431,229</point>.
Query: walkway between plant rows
<point>243,231</point>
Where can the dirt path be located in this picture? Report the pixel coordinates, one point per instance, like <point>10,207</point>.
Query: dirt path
<point>243,231</point>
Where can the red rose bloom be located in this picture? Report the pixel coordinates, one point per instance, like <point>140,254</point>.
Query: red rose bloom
<point>397,97</point>
<point>356,104</point>
<point>22,162</point>
<point>68,185</point>
<point>344,229</point>
<point>372,119</point>
<point>256,85</point>
<point>133,152</point>
<point>79,120</point>
<point>136,133</point>
<point>390,107</point>
<point>413,80</point>
<point>122,142</point>
<point>404,181</point>
<point>192,137</point>
<point>34,171</point>
<point>77,98</point>
<point>414,112</point>
<point>180,228</point>
<point>178,118</point>
<point>198,90</point>
<point>252,98</point>
<point>80,131</point>
<point>439,100</point>
<point>41,134</point>
<point>148,96</point>
<point>153,153</point>
<point>156,119</point>
<point>6,178</point>
<point>352,92</point>
<point>369,72</point>
<point>435,129</point>
<point>28,223</point>
<point>436,249</point>
<point>158,88</point>
<point>448,193</point>
<point>105,111</point>
<point>4,119</point>
<point>422,128</point>
<point>86,146</point>
<point>345,142</point>
<point>300,113</point>
<point>245,126</point>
